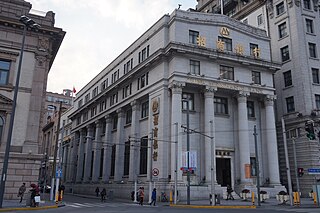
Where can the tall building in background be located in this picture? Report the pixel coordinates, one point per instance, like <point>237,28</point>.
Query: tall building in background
<point>293,27</point>
<point>41,48</point>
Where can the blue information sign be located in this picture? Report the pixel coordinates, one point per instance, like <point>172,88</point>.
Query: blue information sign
<point>58,173</point>
<point>314,171</point>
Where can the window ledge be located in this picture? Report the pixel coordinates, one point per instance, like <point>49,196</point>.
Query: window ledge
<point>145,118</point>
<point>312,58</point>
<point>288,87</point>
<point>222,115</point>
<point>287,61</point>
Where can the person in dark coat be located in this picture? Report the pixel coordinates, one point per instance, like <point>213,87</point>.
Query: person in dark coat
<point>153,197</point>
<point>97,191</point>
<point>229,191</point>
<point>103,195</point>
<point>21,191</point>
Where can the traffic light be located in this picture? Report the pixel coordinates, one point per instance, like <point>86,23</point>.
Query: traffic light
<point>310,130</point>
<point>300,172</point>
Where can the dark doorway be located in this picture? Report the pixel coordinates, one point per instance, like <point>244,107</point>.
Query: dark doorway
<point>223,171</point>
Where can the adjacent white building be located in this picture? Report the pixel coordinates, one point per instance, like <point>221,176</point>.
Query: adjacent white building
<point>129,122</point>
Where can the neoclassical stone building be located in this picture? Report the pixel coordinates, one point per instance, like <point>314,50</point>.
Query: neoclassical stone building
<point>41,47</point>
<point>129,122</point>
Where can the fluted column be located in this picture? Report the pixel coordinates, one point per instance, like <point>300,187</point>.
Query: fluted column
<point>271,137</point>
<point>72,160</point>
<point>176,116</point>
<point>208,116</point>
<point>97,152</point>
<point>244,145</point>
<point>107,145</point>
<point>80,163</point>
<point>135,135</point>
<point>88,158</point>
<point>119,163</point>
<point>65,160</point>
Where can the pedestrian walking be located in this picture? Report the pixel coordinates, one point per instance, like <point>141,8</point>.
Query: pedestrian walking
<point>21,191</point>
<point>229,191</point>
<point>103,195</point>
<point>153,197</point>
<point>141,195</point>
<point>97,191</point>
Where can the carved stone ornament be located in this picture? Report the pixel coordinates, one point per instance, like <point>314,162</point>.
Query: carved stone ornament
<point>290,3</point>
<point>297,2</point>
<point>41,61</point>
<point>316,4</point>
<point>155,105</point>
<point>43,44</point>
<point>269,100</point>
<point>176,87</point>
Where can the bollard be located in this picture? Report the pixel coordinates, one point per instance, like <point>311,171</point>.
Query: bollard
<point>252,198</point>
<point>314,198</point>
<point>210,198</point>
<point>170,197</point>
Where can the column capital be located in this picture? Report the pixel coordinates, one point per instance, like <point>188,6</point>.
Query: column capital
<point>135,105</point>
<point>120,112</point>
<point>269,100</point>
<point>242,96</point>
<point>108,118</point>
<point>209,91</point>
<point>176,87</point>
<point>82,132</point>
<point>98,123</point>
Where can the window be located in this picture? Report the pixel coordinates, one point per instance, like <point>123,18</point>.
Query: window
<point>309,26</point>
<point>87,98</point>
<point>115,121</point>
<point>193,35</point>
<point>126,91</point>
<point>287,78</point>
<point>250,109</point>
<point>113,160</point>
<point>1,127</point>
<point>253,164</point>
<point>114,99</point>
<point>195,67</point>
<point>307,4</point>
<point>220,105</point>
<point>144,54</point>
<point>93,111</point>
<point>318,101</point>
<point>4,72</point>
<point>280,8</point>
<point>227,43</point>
<point>143,155</point>
<point>101,163</point>
<point>95,92</point>
<point>260,19</point>
<point>78,120</point>
<point>282,28</point>
<point>145,109</point>
<point>104,85</point>
<point>312,50</point>
<point>290,104</point>
<point>187,99</point>
<point>102,106</point>
<point>115,76</point>
<point>253,49</point>
<point>126,158</point>
<point>315,75</point>
<point>285,53</point>
<point>256,77</point>
<point>92,160</point>
<point>85,116</point>
<point>143,80</point>
<point>127,66</point>
<point>226,72</point>
<point>129,116</point>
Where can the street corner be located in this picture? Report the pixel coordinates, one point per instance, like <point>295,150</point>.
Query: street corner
<point>8,209</point>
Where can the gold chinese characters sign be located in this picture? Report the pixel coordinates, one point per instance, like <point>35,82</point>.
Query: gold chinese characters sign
<point>155,112</point>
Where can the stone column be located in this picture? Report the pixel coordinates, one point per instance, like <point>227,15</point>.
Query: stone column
<point>107,145</point>
<point>65,160</point>
<point>119,163</point>
<point>97,153</point>
<point>88,159</point>
<point>135,134</point>
<point>79,176</point>
<point>244,145</point>
<point>176,116</point>
<point>208,116</point>
<point>72,160</point>
<point>271,137</point>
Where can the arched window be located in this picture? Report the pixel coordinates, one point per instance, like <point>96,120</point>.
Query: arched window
<point>1,127</point>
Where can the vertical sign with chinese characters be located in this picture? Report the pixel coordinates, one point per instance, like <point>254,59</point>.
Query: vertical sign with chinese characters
<point>155,121</point>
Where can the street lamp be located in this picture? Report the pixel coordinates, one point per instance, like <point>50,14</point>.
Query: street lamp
<point>27,22</point>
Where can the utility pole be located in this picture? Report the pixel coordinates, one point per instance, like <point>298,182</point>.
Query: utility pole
<point>287,160</point>
<point>176,165</point>
<point>188,154</point>
<point>55,154</point>
<point>257,164</point>
<point>213,165</point>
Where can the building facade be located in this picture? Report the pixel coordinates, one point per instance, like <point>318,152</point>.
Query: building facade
<point>293,27</point>
<point>41,47</point>
<point>189,70</point>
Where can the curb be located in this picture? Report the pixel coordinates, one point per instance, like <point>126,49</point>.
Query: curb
<point>212,207</point>
<point>30,208</point>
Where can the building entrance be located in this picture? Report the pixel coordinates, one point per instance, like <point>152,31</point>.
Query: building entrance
<point>223,168</point>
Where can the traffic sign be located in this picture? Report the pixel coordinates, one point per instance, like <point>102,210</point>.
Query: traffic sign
<point>58,173</point>
<point>155,172</point>
<point>314,171</point>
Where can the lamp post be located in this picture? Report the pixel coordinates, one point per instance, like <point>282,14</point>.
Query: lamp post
<point>27,22</point>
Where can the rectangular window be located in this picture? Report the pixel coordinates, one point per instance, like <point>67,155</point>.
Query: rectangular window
<point>4,72</point>
<point>143,54</point>
<point>143,155</point>
<point>127,66</point>
<point>227,43</point>
<point>113,99</point>
<point>115,121</point>
<point>104,85</point>
<point>80,103</point>
<point>250,109</point>
<point>285,53</point>
<point>126,91</point>
<point>253,48</point>
<point>318,101</point>
<point>256,77</point>
<point>220,105</point>
<point>226,72</point>
<point>193,35</point>
<point>113,160</point>
<point>87,98</point>
<point>93,111</point>
<point>280,8</point>
<point>282,28</point>
<point>85,116</point>
<point>187,100</point>
<point>129,116</point>
<point>101,163</point>
<point>143,81</point>
<point>95,92</point>
<point>195,67</point>
<point>290,104</point>
<point>287,78</point>
<point>126,158</point>
<point>307,4</point>
<point>260,19</point>
<point>115,76</point>
<point>315,75</point>
<point>312,50</point>
<point>309,26</point>
<point>253,164</point>
<point>145,109</point>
